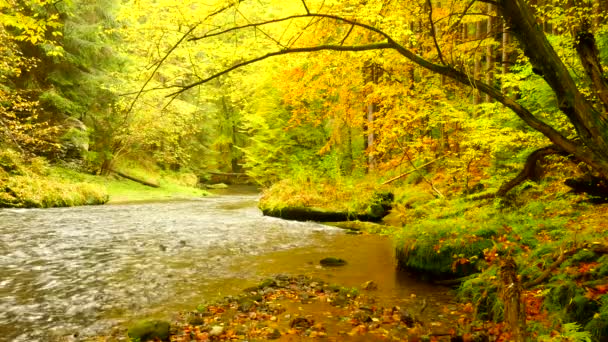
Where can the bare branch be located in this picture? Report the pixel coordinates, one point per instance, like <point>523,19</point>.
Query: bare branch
<point>459,20</point>
<point>306,7</point>
<point>262,31</point>
<point>158,66</point>
<point>347,34</point>
<point>376,46</point>
<point>297,16</point>
<point>433,33</point>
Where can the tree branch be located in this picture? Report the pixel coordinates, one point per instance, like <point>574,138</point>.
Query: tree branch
<point>305,7</point>
<point>347,34</point>
<point>433,33</point>
<point>376,46</point>
<point>158,66</point>
<point>296,16</point>
<point>461,16</point>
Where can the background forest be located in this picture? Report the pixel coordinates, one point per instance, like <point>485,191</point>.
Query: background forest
<point>328,102</point>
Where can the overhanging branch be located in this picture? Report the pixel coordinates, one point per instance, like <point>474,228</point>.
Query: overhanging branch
<point>376,46</point>
<point>291,17</point>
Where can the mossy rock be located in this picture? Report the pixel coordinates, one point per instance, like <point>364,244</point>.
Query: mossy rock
<point>332,262</point>
<point>381,204</point>
<point>424,259</point>
<point>149,330</point>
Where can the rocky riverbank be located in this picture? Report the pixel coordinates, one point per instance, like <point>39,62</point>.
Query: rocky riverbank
<point>290,308</point>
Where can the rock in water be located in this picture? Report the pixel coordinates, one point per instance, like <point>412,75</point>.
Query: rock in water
<point>369,285</point>
<point>149,330</point>
<point>333,262</point>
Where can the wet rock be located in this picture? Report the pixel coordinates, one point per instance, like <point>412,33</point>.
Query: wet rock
<point>332,262</point>
<point>362,317</point>
<point>196,320</point>
<point>405,316</point>
<point>369,285</point>
<point>282,277</point>
<point>275,334</point>
<point>149,330</point>
<point>301,323</point>
<point>340,300</point>
<point>216,186</point>
<point>267,283</point>
<point>246,305</point>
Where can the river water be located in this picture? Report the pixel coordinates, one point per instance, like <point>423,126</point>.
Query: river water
<point>83,271</point>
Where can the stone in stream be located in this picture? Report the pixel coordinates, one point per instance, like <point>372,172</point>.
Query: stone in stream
<point>369,285</point>
<point>149,330</point>
<point>331,261</point>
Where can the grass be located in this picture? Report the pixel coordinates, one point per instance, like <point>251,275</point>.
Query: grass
<point>329,194</point>
<point>460,237</point>
<point>33,183</point>
<point>172,185</point>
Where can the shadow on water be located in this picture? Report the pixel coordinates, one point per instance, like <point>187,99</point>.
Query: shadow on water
<point>86,270</point>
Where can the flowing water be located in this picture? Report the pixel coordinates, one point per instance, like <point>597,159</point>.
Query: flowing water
<point>82,271</point>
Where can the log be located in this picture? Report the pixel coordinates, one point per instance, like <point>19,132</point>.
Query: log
<point>318,215</point>
<point>229,174</point>
<point>410,171</point>
<point>140,181</point>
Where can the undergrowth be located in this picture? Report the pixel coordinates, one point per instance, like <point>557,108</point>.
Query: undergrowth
<point>32,184</point>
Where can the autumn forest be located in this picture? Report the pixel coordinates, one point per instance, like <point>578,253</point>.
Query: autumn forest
<point>473,133</point>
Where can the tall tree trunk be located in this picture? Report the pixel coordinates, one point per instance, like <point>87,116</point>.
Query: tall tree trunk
<point>477,70</point>
<point>505,49</point>
<point>370,136</point>
<point>590,124</point>
<point>490,52</point>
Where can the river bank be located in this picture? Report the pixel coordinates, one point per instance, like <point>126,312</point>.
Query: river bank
<point>154,260</point>
<point>551,242</point>
<point>38,184</point>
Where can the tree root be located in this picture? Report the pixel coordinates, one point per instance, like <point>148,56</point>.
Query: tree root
<point>595,248</point>
<point>529,171</point>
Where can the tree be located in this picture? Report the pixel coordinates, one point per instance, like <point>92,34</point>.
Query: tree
<point>582,99</point>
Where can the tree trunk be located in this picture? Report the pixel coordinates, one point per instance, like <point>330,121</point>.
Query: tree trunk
<point>477,67</point>
<point>490,52</point>
<point>590,124</point>
<point>505,49</point>
<point>370,135</point>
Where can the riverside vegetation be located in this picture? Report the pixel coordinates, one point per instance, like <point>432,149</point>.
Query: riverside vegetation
<point>485,123</point>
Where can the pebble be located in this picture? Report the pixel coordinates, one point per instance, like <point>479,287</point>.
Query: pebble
<point>216,330</point>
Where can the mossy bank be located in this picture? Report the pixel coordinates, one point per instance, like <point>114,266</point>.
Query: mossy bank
<point>557,239</point>
<point>34,183</point>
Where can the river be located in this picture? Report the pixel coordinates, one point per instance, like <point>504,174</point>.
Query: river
<point>84,271</point>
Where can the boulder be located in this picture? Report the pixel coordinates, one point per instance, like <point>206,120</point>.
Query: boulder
<point>331,262</point>
<point>149,330</point>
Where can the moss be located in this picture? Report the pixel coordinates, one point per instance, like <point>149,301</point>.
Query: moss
<point>602,270</point>
<point>581,309</point>
<point>598,324</point>
<point>560,295</point>
<point>584,255</point>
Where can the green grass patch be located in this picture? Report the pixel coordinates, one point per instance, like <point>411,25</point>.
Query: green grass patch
<point>33,184</point>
